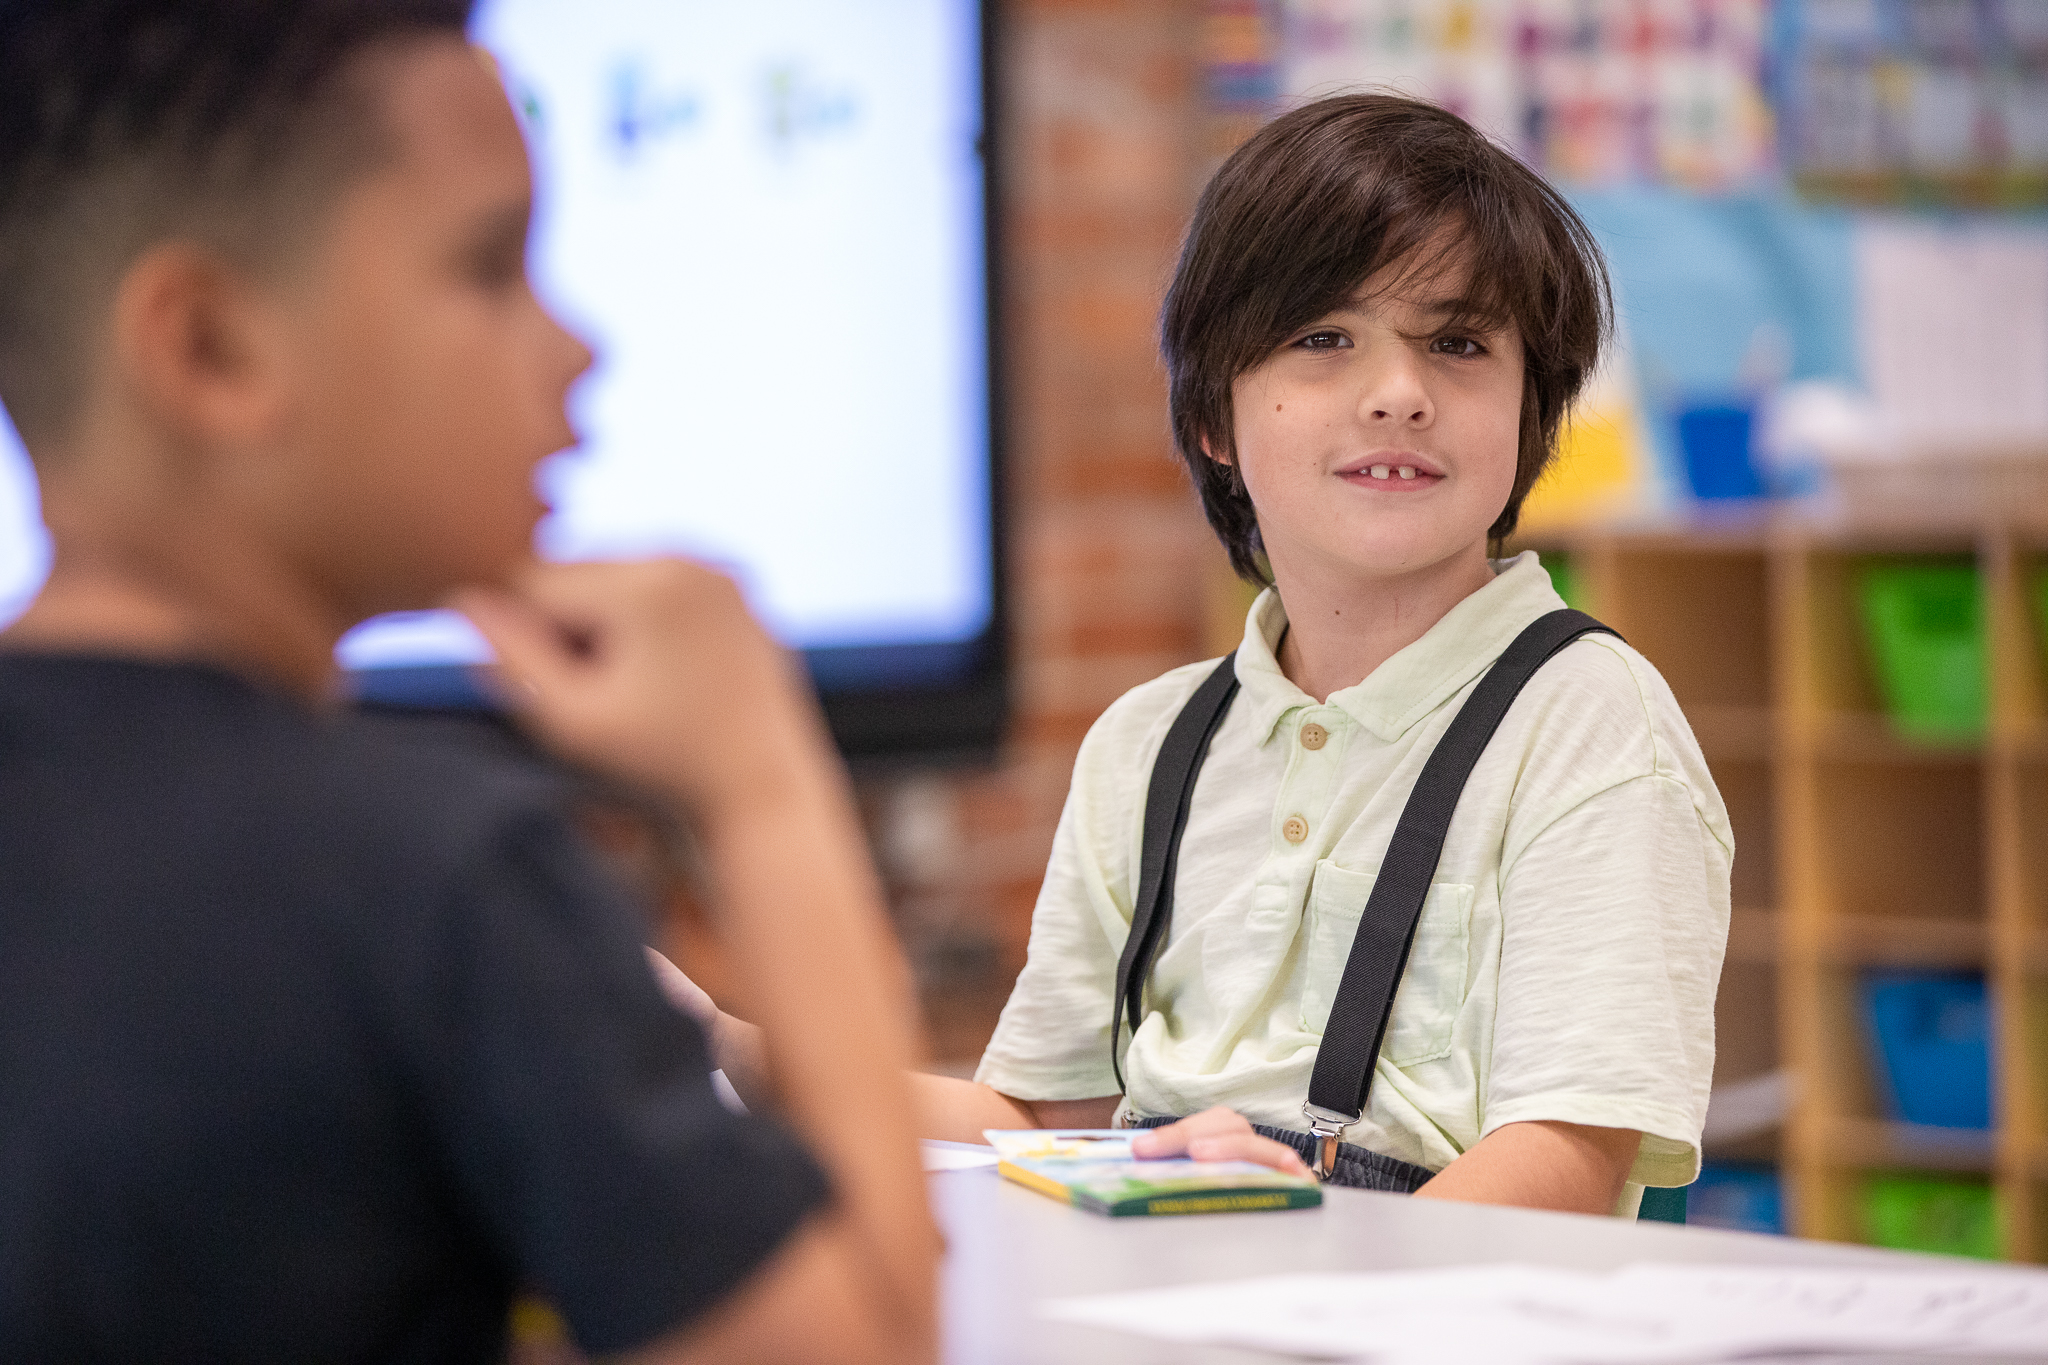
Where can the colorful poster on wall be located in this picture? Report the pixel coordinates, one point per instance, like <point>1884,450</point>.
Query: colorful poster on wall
<point>1941,102</point>
<point>1591,92</point>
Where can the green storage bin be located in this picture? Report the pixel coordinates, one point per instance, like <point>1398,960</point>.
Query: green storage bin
<point>2041,610</point>
<point>1943,1215</point>
<point>1926,628</point>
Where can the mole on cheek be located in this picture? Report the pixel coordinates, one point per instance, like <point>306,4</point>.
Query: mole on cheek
<point>1276,407</point>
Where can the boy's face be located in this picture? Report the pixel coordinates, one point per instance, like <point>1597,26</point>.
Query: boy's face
<point>1377,442</point>
<point>422,380</point>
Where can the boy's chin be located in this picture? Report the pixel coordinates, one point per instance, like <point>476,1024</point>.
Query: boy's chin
<point>431,588</point>
<point>1393,555</point>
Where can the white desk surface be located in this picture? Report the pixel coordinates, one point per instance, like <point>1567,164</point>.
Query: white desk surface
<point>1009,1249</point>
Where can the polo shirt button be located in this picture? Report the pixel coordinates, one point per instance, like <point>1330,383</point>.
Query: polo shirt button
<point>1295,830</point>
<point>1314,736</point>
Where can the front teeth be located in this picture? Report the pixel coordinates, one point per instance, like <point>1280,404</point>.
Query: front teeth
<point>1380,471</point>
<point>1407,471</point>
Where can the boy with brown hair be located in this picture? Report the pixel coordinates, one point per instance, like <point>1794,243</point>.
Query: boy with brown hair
<point>1377,326</point>
<point>315,1045</point>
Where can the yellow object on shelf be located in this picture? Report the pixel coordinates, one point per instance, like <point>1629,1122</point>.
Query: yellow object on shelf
<point>1598,472</point>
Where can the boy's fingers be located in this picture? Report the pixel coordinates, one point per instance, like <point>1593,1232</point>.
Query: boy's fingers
<point>1161,1141</point>
<point>1217,1120</point>
<point>1172,1139</point>
<point>570,588</point>
<point>1217,1134</point>
<point>528,646</point>
<point>1249,1147</point>
<point>685,994</point>
<point>599,589</point>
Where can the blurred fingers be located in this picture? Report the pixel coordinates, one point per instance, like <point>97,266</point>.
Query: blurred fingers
<point>685,994</point>
<point>1249,1147</point>
<point>528,645</point>
<point>1172,1139</point>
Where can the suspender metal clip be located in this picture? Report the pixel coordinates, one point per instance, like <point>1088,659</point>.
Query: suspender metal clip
<point>1328,1126</point>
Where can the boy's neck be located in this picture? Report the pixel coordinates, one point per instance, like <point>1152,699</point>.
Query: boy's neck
<point>1340,626</point>
<point>175,588</point>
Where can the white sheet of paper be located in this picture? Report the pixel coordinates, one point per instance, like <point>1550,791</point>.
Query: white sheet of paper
<point>956,1156</point>
<point>1649,1315</point>
<point>1994,1313</point>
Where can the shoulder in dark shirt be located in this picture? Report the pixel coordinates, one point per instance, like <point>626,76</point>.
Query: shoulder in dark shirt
<point>316,1040</point>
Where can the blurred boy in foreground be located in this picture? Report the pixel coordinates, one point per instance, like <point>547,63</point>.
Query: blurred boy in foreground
<point>314,1045</point>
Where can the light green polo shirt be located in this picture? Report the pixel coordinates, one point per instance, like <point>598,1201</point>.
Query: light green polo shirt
<point>1568,953</point>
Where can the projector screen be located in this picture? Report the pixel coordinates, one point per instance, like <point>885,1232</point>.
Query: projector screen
<point>770,221</point>
<point>24,548</point>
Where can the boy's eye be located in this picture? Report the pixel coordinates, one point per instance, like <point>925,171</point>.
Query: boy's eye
<point>494,257</point>
<point>1323,341</point>
<point>499,265</point>
<point>1458,346</point>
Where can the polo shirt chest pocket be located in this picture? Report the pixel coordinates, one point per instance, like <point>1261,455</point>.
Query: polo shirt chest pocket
<point>1432,988</point>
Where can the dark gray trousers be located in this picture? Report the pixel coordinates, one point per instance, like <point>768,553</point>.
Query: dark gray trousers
<point>1356,1167</point>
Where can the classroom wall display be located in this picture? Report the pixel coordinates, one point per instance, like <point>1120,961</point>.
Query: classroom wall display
<point>1916,101</point>
<point>1591,92</point>
<point>1241,54</point>
<point>771,222</point>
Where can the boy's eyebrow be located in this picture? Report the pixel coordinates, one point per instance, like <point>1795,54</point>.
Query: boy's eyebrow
<point>1454,308</point>
<point>1460,307</point>
<point>1437,308</point>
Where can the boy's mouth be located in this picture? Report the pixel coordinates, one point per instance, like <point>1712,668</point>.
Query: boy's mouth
<point>1392,472</point>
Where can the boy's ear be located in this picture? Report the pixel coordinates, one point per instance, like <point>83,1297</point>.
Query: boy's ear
<point>194,347</point>
<point>1210,451</point>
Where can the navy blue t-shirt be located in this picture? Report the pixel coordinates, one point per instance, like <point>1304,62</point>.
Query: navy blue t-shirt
<point>316,1043</point>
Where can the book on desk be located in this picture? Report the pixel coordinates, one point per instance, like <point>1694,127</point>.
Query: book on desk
<point>1092,1168</point>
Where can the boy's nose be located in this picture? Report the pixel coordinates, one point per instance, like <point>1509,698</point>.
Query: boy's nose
<point>1397,394</point>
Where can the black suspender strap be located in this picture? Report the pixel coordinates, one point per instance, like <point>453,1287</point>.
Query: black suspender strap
<point>1386,930</point>
<point>1379,953</point>
<point>1166,814</point>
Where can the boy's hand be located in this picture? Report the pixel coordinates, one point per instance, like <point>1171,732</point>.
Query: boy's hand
<point>655,672</point>
<point>685,994</point>
<point>1217,1134</point>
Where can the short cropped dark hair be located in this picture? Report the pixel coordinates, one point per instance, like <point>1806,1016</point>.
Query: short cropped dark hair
<point>1322,198</point>
<point>127,122</point>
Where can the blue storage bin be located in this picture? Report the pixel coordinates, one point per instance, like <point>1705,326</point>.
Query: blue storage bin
<point>1715,441</point>
<point>1931,1040</point>
<point>1737,1195</point>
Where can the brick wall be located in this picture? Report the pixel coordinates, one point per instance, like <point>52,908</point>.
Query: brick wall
<point>1109,552</point>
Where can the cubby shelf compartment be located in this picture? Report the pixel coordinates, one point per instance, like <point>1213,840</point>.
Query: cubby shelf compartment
<point>1861,737</point>
<point>1732,733</point>
<point>1882,1144</point>
<point>1902,941</point>
<point>2031,951</point>
<point>1857,847</point>
<point>1894,842</point>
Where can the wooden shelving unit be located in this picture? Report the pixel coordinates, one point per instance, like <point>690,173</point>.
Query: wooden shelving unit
<point>1855,848</point>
